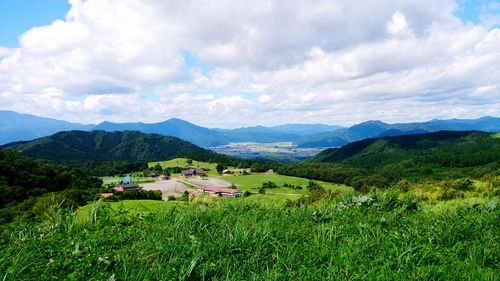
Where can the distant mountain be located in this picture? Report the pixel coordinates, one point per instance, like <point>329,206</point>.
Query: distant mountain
<point>446,148</point>
<point>16,127</point>
<point>24,127</point>
<point>373,129</point>
<point>305,129</point>
<point>108,146</point>
<point>173,127</point>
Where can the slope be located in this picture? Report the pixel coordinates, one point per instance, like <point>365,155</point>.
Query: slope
<point>108,146</point>
<point>444,148</point>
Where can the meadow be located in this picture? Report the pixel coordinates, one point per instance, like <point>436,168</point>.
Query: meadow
<point>253,181</point>
<point>383,236</point>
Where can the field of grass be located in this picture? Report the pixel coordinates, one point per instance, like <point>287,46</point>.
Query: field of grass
<point>129,206</point>
<point>117,180</point>
<point>254,181</point>
<point>182,162</point>
<point>349,238</point>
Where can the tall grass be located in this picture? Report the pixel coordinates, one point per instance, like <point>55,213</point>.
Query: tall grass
<point>383,237</point>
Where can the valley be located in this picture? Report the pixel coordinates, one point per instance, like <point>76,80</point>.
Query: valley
<point>143,201</point>
<point>279,151</point>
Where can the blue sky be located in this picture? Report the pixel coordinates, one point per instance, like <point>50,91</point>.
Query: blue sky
<point>18,16</point>
<point>239,63</point>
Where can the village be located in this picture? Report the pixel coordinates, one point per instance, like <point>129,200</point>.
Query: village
<point>193,181</point>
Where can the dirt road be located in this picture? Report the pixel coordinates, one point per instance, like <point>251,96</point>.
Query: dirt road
<point>170,187</point>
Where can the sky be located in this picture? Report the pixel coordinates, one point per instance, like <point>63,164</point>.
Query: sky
<point>226,63</point>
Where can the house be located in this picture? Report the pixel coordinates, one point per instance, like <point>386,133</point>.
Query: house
<point>118,189</point>
<point>193,172</point>
<point>164,178</point>
<point>227,172</point>
<point>220,191</point>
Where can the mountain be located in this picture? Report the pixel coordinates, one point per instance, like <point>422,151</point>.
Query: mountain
<point>23,127</point>
<point>373,129</point>
<point>16,127</point>
<point>305,129</point>
<point>173,127</point>
<point>108,146</point>
<point>444,148</point>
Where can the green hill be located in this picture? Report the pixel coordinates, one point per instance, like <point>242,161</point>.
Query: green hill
<point>444,148</point>
<point>22,178</point>
<point>108,146</point>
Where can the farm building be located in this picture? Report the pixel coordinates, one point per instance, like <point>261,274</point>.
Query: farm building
<point>193,172</point>
<point>227,172</point>
<point>220,191</point>
<point>164,177</point>
<point>127,186</point>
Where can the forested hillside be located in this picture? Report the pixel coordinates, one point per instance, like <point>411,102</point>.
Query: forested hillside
<point>105,146</point>
<point>22,178</point>
<point>445,148</point>
<point>384,162</point>
<point>104,153</point>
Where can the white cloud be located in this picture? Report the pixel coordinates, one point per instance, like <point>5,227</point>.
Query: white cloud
<point>269,62</point>
<point>398,25</point>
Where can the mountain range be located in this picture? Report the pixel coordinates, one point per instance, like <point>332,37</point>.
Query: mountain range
<point>378,129</point>
<point>22,127</point>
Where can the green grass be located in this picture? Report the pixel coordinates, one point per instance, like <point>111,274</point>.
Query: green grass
<point>254,181</point>
<point>117,180</point>
<point>182,162</point>
<point>129,206</point>
<point>238,240</point>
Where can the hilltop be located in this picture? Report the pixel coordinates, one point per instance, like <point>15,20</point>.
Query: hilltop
<point>108,146</point>
<point>444,148</point>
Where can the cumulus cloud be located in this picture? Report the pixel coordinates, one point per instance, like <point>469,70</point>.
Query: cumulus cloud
<point>257,62</point>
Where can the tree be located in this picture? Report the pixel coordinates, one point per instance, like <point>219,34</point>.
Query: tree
<point>219,168</point>
<point>189,162</point>
<point>157,168</point>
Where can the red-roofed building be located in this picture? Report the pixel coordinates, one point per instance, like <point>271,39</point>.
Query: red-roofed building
<point>118,189</point>
<point>220,191</point>
<point>164,177</point>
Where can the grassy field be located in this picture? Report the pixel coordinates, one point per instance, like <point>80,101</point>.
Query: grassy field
<point>117,180</point>
<point>182,162</point>
<point>349,238</point>
<point>254,181</point>
<point>128,206</point>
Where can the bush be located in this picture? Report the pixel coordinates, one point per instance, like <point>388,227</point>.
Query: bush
<point>140,194</point>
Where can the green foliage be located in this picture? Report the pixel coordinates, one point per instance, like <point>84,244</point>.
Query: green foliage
<point>139,194</point>
<point>382,163</point>
<point>269,185</point>
<point>357,237</point>
<point>22,178</point>
<point>219,168</point>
